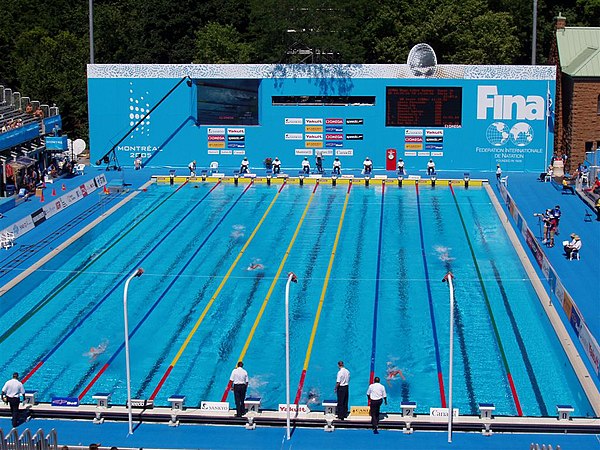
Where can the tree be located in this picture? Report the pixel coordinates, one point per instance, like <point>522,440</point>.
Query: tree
<point>221,44</point>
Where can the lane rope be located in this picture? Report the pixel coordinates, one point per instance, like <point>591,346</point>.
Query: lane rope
<point>489,307</point>
<point>321,300</point>
<point>212,300</point>
<point>377,283</point>
<point>33,311</point>
<point>164,293</point>
<point>271,288</point>
<point>430,299</point>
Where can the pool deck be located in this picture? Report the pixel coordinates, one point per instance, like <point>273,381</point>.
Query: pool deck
<point>580,279</point>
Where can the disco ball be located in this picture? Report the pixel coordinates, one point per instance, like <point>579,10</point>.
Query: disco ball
<point>422,60</point>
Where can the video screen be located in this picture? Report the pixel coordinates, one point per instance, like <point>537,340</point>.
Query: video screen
<point>227,101</point>
<point>423,106</point>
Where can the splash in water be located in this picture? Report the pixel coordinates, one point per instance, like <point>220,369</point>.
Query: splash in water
<point>314,397</point>
<point>255,265</point>
<point>393,372</point>
<point>443,253</point>
<point>238,231</point>
<point>94,352</point>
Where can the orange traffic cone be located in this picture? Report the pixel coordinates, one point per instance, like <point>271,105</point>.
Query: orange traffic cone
<point>64,188</point>
<point>53,192</point>
<point>42,197</point>
<point>106,191</point>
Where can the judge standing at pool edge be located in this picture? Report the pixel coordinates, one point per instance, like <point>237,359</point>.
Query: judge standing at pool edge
<point>239,378</point>
<point>341,389</point>
<point>376,395</point>
<point>11,394</point>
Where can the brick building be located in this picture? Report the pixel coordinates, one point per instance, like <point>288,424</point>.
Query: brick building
<point>576,53</point>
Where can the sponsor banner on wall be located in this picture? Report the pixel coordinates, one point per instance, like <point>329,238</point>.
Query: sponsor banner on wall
<point>226,152</point>
<point>22,226</point>
<point>591,348</point>
<point>313,136</point>
<point>334,137</point>
<point>413,139</point>
<point>309,121</point>
<point>327,152</point>
<point>293,121</point>
<point>313,129</point>
<point>213,152</point>
<point>410,153</point>
<point>423,154</point>
<point>354,137</point>
<point>100,180</point>
<point>434,139</point>
<point>294,136</point>
<point>216,137</point>
<point>83,190</point>
<point>216,131</point>
<point>314,144</point>
<point>303,152</point>
<point>434,132</point>
<point>216,145</point>
<point>334,144</point>
<point>236,138</point>
<point>52,208</point>
<point>239,152</point>
<point>300,409</point>
<point>559,292</point>
<point>437,153</point>
<point>412,132</point>
<point>344,152</point>
<point>575,320</point>
<point>434,146</point>
<point>236,131</point>
<point>90,186</point>
<point>355,121</point>
<point>334,121</point>
<point>333,129</point>
<point>236,145</point>
<point>413,146</point>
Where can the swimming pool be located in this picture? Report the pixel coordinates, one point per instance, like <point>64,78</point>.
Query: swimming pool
<point>369,260</point>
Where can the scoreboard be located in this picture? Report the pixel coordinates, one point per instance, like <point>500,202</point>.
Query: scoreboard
<point>423,107</point>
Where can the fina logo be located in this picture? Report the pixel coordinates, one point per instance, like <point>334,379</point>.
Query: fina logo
<point>530,108</point>
<point>138,108</point>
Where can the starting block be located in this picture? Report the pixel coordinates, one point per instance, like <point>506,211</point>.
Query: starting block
<point>102,399</point>
<point>330,411</point>
<point>408,411</point>
<point>176,407</point>
<point>564,412</point>
<point>252,404</point>
<point>29,400</point>
<point>485,413</point>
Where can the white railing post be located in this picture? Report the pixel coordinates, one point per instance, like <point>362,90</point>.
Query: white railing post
<point>137,273</point>
<point>291,278</point>
<point>448,278</point>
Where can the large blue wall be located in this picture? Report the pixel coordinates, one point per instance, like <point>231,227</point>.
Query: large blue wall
<point>120,94</point>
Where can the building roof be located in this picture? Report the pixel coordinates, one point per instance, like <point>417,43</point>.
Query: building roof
<point>579,51</point>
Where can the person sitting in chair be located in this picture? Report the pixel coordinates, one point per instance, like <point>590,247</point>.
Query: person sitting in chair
<point>305,166</point>
<point>367,166</point>
<point>401,167</point>
<point>337,166</point>
<point>572,248</point>
<point>276,166</point>
<point>430,167</point>
<point>245,166</point>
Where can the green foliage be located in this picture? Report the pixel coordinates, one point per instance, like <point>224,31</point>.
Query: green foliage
<point>44,46</point>
<point>220,44</point>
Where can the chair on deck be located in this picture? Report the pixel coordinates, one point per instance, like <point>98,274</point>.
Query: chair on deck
<point>504,180</point>
<point>80,169</point>
<point>214,167</point>
<point>7,239</point>
<point>574,255</point>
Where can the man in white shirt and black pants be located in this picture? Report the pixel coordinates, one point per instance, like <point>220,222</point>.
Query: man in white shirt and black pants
<point>341,388</point>
<point>11,394</point>
<point>376,395</point>
<point>239,378</point>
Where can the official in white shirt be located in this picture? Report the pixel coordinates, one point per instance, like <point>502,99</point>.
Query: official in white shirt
<point>11,394</point>
<point>192,167</point>
<point>245,167</point>
<point>341,389</point>
<point>376,395</point>
<point>337,166</point>
<point>367,166</point>
<point>401,166</point>
<point>431,167</point>
<point>239,378</point>
<point>276,166</point>
<point>305,166</point>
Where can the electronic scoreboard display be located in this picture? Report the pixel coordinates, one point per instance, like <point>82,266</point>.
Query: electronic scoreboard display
<point>423,107</point>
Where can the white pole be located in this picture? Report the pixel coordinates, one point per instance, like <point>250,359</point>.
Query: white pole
<point>534,34</point>
<point>291,277</point>
<point>91,8</point>
<point>137,273</point>
<point>448,278</point>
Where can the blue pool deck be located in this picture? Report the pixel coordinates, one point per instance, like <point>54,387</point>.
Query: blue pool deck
<point>580,278</point>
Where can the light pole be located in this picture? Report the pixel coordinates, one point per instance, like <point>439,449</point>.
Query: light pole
<point>291,278</point>
<point>534,33</point>
<point>448,278</point>
<point>91,7</point>
<point>137,273</point>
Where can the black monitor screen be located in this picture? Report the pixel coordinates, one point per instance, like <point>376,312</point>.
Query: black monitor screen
<point>227,102</point>
<point>423,106</point>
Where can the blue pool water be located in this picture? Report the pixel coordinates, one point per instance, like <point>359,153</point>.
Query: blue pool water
<point>197,309</point>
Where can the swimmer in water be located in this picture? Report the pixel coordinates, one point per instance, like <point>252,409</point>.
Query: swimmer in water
<point>313,396</point>
<point>255,265</point>
<point>96,351</point>
<point>392,373</point>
